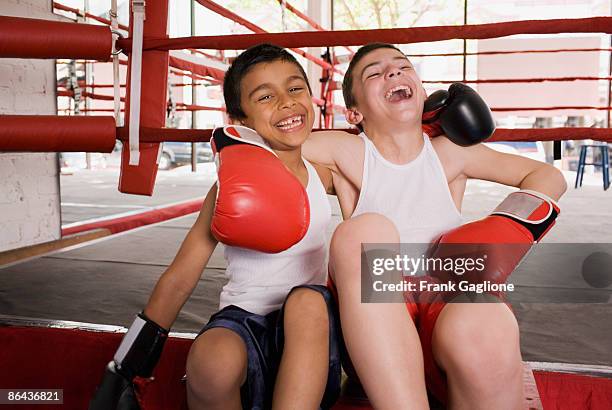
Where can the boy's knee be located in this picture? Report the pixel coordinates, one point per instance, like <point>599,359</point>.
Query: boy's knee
<point>216,365</point>
<point>368,227</point>
<point>306,305</point>
<point>484,367</point>
<point>346,243</point>
<point>483,347</point>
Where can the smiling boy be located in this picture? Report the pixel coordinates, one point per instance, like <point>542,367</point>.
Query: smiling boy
<point>394,185</point>
<point>274,342</point>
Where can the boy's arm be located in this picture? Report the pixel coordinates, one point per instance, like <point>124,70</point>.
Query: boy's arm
<point>178,281</point>
<point>141,347</point>
<point>325,147</point>
<point>482,162</point>
<point>325,175</point>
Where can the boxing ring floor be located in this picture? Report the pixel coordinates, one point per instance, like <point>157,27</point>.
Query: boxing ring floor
<point>107,281</point>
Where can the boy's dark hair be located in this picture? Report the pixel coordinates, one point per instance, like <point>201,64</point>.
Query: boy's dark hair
<point>347,83</point>
<point>261,53</point>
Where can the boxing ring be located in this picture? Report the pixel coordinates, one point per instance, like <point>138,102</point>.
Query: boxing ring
<point>91,283</point>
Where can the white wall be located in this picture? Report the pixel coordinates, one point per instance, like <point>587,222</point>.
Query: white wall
<point>542,65</point>
<point>29,182</point>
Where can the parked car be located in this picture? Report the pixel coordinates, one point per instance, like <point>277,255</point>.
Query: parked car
<point>529,149</point>
<point>78,160</point>
<point>178,153</point>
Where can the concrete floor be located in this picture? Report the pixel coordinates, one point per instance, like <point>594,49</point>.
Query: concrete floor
<point>586,212</point>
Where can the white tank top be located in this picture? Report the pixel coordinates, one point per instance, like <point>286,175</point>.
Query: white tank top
<point>259,282</point>
<point>414,196</point>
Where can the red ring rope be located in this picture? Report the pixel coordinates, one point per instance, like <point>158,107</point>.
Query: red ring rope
<point>393,36</point>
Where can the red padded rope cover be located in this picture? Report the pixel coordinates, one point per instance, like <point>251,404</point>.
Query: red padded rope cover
<point>50,133</point>
<point>154,78</point>
<point>148,134</point>
<point>125,223</point>
<point>71,359</point>
<point>32,38</point>
<point>200,69</point>
<point>551,134</point>
<point>394,36</point>
<point>500,134</point>
<point>566,391</point>
<point>70,93</point>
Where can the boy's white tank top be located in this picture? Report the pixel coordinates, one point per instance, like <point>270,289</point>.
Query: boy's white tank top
<point>259,282</point>
<point>414,196</point>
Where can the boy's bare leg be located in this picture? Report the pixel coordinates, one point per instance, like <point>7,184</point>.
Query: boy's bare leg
<point>381,338</point>
<point>302,375</point>
<point>216,369</point>
<point>477,345</point>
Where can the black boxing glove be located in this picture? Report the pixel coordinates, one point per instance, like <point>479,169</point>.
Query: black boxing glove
<point>137,355</point>
<point>460,113</point>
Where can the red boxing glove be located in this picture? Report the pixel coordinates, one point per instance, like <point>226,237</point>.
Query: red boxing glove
<point>505,237</point>
<point>260,204</point>
<point>460,113</point>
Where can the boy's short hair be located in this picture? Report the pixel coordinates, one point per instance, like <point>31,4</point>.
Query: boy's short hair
<point>347,83</point>
<point>261,53</point>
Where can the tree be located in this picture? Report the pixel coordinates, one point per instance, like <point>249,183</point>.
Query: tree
<point>370,14</point>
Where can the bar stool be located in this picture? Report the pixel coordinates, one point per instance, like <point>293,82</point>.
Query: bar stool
<point>604,164</point>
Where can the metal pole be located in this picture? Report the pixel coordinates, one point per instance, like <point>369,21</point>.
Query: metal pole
<point>116,71</point>
<point>88,78</point>
<point>465,18</point>
<point>332,58</point>
<point>194,100</point>
<point>609,85</point>
<point>609,81</point>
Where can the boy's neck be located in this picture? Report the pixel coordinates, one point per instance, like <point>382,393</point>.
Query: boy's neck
<point>292,159</point>
<point>400,143</point>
